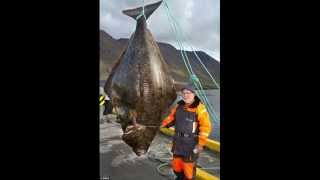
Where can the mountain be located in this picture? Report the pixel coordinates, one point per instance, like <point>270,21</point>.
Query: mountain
<point>111,49</point>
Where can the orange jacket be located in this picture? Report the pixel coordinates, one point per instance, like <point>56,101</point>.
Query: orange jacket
<point>203,119</point>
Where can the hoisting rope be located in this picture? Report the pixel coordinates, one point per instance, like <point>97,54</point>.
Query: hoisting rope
<point>193,77</point>
<point>142,12</point>
<point>164,156</point>
<point>176,25</point>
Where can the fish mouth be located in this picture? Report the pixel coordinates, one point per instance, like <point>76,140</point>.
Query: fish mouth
<point>140,152</point>
<point>138,137</point>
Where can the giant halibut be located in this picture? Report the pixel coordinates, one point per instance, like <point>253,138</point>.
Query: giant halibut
<point>140,85</point>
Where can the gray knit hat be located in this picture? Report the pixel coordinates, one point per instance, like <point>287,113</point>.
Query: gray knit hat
<point>190,87</point>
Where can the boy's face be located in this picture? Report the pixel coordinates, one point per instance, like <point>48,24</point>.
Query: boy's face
<point>188,96</point>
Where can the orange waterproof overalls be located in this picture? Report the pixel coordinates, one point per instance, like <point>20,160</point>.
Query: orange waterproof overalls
<point>192,127</point>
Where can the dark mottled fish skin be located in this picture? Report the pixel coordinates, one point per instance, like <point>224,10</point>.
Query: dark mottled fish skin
<point>140,85</point>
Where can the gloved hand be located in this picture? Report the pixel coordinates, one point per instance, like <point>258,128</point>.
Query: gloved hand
<point>161,126</point>
<point>198,148</point>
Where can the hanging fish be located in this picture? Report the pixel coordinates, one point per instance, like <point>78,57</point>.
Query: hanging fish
<point>140,85</point>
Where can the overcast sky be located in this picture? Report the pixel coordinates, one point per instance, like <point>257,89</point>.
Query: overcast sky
<point>198,19</point>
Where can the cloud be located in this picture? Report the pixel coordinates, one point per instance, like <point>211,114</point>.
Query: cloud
<point>199,22</point>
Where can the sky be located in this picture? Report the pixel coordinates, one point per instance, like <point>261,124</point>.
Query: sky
<point>199,21</point>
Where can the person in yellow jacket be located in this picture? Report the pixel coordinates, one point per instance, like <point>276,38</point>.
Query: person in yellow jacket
<point>192,128</point>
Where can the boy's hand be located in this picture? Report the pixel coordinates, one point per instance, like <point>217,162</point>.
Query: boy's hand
<point>199,148</point>
<point>162,126</point>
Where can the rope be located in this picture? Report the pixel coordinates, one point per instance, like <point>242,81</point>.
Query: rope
<point>193,77</point>
<point>201,94</point>
<point>142,13</point>
<point>175,23</point>
<point>165,162</point>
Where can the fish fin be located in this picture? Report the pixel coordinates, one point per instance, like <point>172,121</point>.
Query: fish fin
<point>148,10</point>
